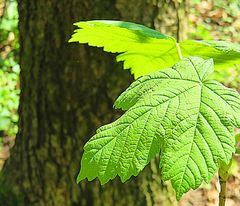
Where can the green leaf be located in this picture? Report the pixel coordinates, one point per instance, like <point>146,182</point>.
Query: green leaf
<point>225,54</point>
<point>177,111</point>
<point>142,49</point>
<point>130,26</point>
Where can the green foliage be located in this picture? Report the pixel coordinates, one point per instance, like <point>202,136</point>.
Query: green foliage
<point>170,111</point>
<point>139,45</point>
<point>9,70</point>
<point>174,112</point>
<point>145,50</point>
<point>224,54</point>
<point>8,102</point>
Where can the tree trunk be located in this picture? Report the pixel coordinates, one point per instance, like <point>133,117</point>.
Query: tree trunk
<point>67,91</point>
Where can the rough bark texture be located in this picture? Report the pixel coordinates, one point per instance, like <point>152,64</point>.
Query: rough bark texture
<point>67,91</point>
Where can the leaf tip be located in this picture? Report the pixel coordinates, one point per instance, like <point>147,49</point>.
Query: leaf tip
<point>71,40</point>
<point>79,178</point>
<point>178,196</point>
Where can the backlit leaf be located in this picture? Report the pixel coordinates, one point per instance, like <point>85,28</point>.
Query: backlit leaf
<point>144,50</point>
<point>177,112</point>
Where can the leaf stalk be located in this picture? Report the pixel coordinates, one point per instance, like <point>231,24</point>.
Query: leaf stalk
<point>223,177</point>
<point>222,194</point>
<point>179,51</point>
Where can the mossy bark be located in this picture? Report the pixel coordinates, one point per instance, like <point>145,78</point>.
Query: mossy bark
<point>67,91</point>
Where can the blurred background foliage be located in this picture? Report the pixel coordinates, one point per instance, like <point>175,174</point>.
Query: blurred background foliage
<point>215,20</point>
<point>9,74</point>
<point>209,19</point>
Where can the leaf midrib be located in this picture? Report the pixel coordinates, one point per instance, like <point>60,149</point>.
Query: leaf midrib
<point>195,130</point>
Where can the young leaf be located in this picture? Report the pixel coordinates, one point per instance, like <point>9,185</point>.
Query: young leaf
<point>224,54</point>
<point>142,49</point>
<point>178,111</point>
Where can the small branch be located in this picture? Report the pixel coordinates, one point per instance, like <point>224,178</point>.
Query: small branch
<point>179,51</point>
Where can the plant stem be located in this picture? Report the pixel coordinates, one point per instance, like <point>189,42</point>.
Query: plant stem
<point>223,176</point>
<point>179,51</point>
<point>222,194</point>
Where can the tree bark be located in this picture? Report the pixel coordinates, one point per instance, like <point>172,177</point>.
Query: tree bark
<point>67,91</point>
